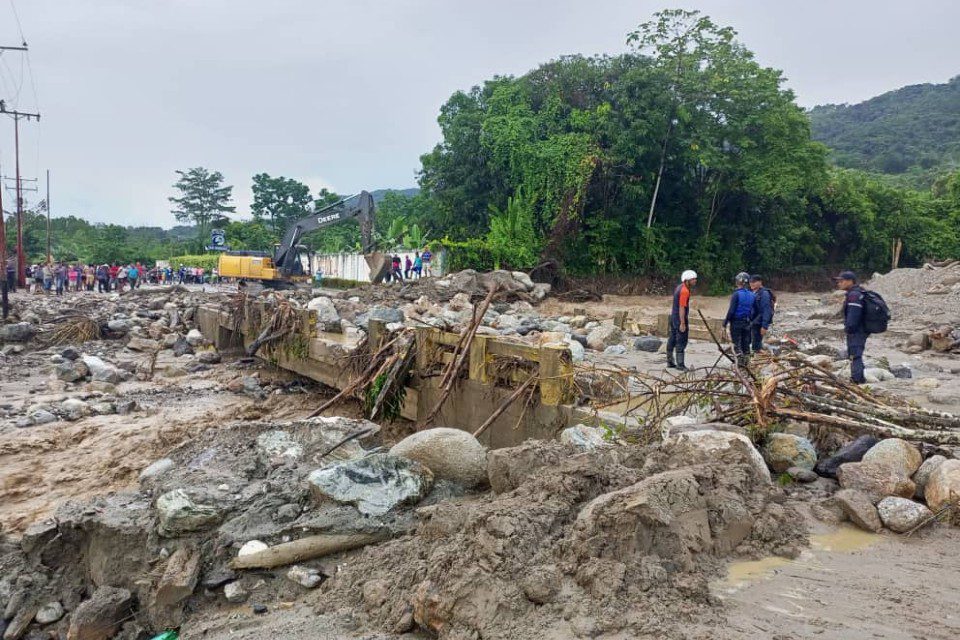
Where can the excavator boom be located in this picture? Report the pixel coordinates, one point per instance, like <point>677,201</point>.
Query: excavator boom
<point>286,259</point>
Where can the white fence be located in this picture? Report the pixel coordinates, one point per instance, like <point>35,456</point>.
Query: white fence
<point>352,266</point>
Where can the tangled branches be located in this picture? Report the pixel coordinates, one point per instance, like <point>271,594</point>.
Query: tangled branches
<point>74,330</point>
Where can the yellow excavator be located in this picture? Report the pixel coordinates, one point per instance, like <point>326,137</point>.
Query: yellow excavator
<point>285,268</point>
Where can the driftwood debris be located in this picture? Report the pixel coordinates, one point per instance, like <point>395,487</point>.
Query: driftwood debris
<point>452,372</point>
<point>306,549</point>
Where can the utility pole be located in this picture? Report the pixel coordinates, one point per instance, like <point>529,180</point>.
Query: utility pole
<point>48,216</point>
<point>4,300</point>
<point>21,258</point>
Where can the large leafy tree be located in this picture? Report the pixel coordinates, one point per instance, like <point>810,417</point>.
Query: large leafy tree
<point>203,198</point>
<point>279,201</point>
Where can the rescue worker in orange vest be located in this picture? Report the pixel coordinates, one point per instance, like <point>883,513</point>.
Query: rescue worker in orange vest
<point>680,321</point>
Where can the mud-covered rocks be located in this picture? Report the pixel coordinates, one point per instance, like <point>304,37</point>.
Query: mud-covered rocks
<point>327,314</point>
<point>156,468</point>
<point>898,455</point>
<point>208,356</point>
<point>876,480</point>
<point>694,447</point>
<point>181,347</point>
<point>375,484</point>
<point>650,344</point>
<point>71,371</point>
<point>179,514</point>
<point>278,444</point>
<point>102,371</point>
<point>18,332</point>
<point>75,409</point>
<point>386,315</point>
<point>451,454</point>
<point>604,336</point>
<point>195,338</point>
<point>943,485</point>
<point>670,515</point>
<point>235,592</point>
<point>901,515</point>
<point>784,450</point>
<point>850,452</point>
<point>100,617</point>
<point>306,577</point>
<point>583,437</point>
<point>922,476</point>
<point>49,613</point>
<point>179,579</point>
<point>858,507</point>
<point>137,343</point>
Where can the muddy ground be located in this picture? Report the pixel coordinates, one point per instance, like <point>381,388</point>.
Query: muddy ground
<point>783,587</point>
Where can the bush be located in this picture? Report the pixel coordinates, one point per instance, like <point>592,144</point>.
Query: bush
<point>206,261</point>
<point>470,254</point>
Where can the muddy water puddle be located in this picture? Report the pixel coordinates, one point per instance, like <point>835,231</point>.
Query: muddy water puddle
<point>845,539</point>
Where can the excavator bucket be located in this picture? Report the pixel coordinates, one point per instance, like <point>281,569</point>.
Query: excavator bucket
<point>379,264</point>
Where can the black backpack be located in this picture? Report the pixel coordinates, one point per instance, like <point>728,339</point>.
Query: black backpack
<point>876,313</point>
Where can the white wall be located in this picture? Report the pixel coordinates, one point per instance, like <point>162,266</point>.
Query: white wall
<point>352,266</point>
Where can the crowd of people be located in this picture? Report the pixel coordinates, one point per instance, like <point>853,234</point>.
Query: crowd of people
<point>61,277</point>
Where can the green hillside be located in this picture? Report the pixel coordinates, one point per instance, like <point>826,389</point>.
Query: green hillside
<point>912,133</point>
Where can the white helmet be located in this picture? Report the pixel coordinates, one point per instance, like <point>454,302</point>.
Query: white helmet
<point>689,274</point>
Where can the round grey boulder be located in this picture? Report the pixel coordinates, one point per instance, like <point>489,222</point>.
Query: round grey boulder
<point>902,515</point>
<point>451,454</point>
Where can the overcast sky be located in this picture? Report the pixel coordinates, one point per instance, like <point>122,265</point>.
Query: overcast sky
<point>345,94</point>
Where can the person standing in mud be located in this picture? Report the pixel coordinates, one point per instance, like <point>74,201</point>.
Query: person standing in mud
<point>853,323</point>
<point>738,317</point>
<point>680,321</point>
<point>427,259</point>
<point>763,308</point>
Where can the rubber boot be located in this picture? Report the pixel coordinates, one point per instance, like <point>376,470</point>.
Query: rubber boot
<point>681,356</point>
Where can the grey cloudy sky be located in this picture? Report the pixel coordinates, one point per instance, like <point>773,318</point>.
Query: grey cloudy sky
<point>345,94</point>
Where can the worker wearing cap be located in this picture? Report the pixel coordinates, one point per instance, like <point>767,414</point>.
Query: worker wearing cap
<point>738,317</point>
<point>853,323</point>
<point>680,320</point>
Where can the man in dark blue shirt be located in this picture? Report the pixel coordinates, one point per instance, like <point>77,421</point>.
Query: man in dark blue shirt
<point>763,308</point>
<point>738,317</point>
<point>853,323</point>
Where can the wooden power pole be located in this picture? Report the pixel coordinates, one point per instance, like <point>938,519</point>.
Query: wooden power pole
<point>21,258</point>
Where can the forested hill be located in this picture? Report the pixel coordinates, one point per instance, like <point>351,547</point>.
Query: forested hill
<point>913,132</point>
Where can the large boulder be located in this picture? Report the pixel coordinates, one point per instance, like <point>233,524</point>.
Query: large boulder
<point>327,314</point>
<point>72,371</point>
<point>858,506</point>
<point>651,344</point>
<point>943,486</point>
<point>179,514</point>
<point>19,332</point>
<point>375,484</point>
<point>387,315</point>
<point>876,480</point>
<point>899,455</point>
<point>902,515</point>
<point>100,617</point>
<point>136,343</point>
<point>673,515</point>
<point>104,371</point>
<point>195,338</point>
<point>177,583</point>
<point>784,450</point>
<point>922,476</point>
<point>704,446</point>
<point>604,336</point>
<point>583,437</point>
<point>451,454</point>
<point>850,452</point>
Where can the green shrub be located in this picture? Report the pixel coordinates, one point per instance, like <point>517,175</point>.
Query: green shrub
<point>206,261</point>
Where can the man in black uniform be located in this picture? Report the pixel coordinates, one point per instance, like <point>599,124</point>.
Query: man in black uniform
<point>853,323</point>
